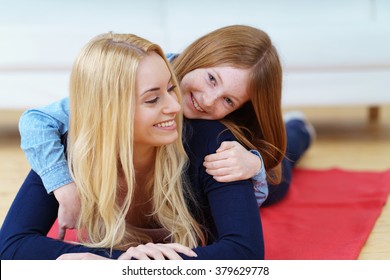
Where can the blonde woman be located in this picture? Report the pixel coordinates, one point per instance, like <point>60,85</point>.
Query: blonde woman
<point>126,157</point>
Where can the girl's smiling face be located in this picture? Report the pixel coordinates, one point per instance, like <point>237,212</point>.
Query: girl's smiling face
<point>213,93</point>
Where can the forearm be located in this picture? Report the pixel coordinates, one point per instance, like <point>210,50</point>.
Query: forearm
<point>31,216</point>
<point>238,225</point>
<point>41,131</point>
<point>260,185</point>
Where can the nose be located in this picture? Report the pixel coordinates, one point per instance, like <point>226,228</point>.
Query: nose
<point>209,97</point>
<point>172,106</point>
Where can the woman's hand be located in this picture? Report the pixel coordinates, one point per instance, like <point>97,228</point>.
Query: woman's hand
<point>232,162</point>
<point>81,256</point>
<point>69,209</point>
<point>158,251</point>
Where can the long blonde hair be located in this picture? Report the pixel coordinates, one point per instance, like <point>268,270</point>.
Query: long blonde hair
<point>259,123</point>
<point>100,148</point>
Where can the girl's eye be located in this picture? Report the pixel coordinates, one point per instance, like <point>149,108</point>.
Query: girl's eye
<point>229,101</point>
<point>152,101</point>
<point>171,88</point>
<point>212,79</point>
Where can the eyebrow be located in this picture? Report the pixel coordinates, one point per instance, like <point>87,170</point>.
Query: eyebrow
<point>155,88</point>
<point>150,90</point>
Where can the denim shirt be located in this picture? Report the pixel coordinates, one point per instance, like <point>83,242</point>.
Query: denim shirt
<point>41,130</point>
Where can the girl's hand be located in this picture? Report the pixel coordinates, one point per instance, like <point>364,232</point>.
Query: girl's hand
<point>232,162</point>
<point>69,209</point>
<point>157,251</point>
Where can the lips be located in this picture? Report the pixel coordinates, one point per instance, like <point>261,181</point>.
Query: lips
<point>196,105</point>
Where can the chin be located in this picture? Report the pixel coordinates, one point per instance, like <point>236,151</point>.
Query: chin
<point>187,113</point>
<point>171,140</point>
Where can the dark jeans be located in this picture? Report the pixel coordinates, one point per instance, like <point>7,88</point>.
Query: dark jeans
<point>298,141</point>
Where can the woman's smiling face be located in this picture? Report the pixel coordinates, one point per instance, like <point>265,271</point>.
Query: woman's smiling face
<point>213,93</point>
<point>156,104</point>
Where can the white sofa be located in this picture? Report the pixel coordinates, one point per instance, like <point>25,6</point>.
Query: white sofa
<point>333,52</point>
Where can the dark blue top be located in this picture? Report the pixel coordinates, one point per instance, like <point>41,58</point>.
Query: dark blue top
<point>228,210</point>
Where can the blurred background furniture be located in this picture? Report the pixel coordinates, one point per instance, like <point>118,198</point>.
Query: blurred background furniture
<point>334,53</point>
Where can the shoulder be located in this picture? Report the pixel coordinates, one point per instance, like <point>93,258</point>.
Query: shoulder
<point>208,129</point>
<point>205,136</point>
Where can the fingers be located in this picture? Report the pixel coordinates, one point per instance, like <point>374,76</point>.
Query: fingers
<point>232,162</point>
<point>152,251</point>
<point>65,221</point>
<point>61,232</point>
<point>142,252</point>
<point>221,160</point>
<point>226,178</point>
<point>228,150</point>
<point>69,208</point>
<point>227,165</point>
<point>231,173</point>
<point>181,249</point>
<point>226,145</point>
<point>157,252</point>
<point>215,157</point>
<point>168,253</point>
<point>225,170</point>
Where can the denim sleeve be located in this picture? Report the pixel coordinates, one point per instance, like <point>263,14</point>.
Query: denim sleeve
<point>40,131</point>
<point>260,185</point>
<point>171,56</point>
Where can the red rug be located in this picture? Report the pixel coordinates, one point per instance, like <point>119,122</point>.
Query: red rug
<point>327,215</point>
<point>70,235</point>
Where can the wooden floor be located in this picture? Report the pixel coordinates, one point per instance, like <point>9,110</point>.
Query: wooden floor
<point>345,139</point>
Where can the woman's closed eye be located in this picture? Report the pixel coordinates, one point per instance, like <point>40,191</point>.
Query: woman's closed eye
<point>152,101</point>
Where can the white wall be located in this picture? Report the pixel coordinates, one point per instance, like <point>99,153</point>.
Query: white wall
<point>339,46</point>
